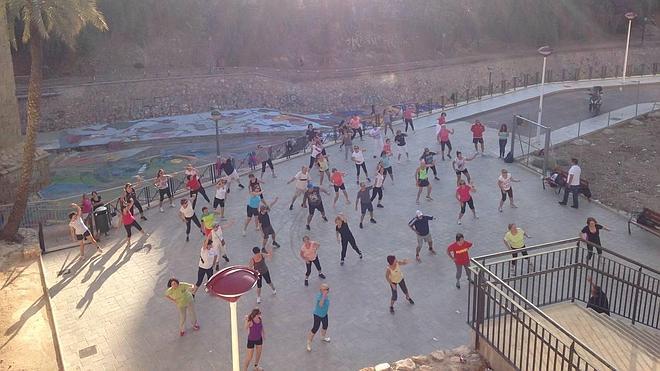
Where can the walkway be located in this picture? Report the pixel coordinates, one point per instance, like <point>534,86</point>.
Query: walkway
<point>111,312</point>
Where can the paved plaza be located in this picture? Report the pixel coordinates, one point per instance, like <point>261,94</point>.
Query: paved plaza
<point>111,313</point>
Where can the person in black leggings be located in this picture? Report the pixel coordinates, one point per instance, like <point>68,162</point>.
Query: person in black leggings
<point>208,258</point>
<point>187,214</point>
<point>129,194</point>
<point>322,304</point>
<point>345,236</point>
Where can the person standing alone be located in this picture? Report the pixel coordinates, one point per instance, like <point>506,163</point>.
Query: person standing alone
<point>477,130</point>
<point>420,225</point>
<point>573,184</point>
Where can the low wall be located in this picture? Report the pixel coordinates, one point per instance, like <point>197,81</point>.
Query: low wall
<point>458,359</point>
<point>74,106</point>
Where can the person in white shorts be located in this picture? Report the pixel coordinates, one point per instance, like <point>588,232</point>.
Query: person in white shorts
<point>301,178</point>
<point>79,231</point>
<point>400,148</point>
<point>220,195</point>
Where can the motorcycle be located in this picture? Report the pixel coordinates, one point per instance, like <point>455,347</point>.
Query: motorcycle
<point>595,100</point>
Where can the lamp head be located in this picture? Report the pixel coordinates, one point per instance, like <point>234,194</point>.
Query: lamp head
<point>545,50</point>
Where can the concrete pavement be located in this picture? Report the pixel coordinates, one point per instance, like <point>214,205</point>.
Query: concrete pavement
<point>111,312</point>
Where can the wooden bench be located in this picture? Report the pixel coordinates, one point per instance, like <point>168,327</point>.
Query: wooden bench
<point>584,184</point>
<point>647,220</point>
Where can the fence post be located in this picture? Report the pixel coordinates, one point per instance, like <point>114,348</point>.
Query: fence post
<point>479,303</point>
<point>467,95</point>
<point>575,267</point>
<point>146,192</point>
<point>537,78</point>
<point>442,100</point>
<point>616,70</point>
<point>526,80</point>
<point>515,82</point>
<point>563,74</point>
<point>603,72</point>
<point>42,242</point>
<point>503,87</point>
<point>548,76</point>
<point>571,352</point>
<point>591,70</point>
<point>637,283</point>
<point>577,74</point>
<point>546,151</point>
<point>655,68</point>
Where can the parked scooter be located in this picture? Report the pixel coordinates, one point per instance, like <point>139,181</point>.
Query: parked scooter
<point>595,100</point>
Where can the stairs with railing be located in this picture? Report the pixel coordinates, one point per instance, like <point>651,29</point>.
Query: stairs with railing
<point>625,346</point>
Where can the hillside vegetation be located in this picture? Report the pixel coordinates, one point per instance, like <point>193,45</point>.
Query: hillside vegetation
<point>202,34</point>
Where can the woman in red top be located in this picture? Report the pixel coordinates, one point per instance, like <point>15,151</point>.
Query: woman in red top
<point>464,196</point>
<point>408,118</point>
<point>458,252</point>
<point>195,186</point>
<point>129,221</point>
<point>337,180</point>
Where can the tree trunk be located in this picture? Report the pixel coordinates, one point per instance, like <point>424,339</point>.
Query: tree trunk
<point>10,123</point>
<point>10,231</point>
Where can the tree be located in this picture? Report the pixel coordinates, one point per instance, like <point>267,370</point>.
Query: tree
<point>9,120</point>
<point>41,21</point>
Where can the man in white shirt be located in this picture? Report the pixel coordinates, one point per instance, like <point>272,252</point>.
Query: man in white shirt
<point>572,184</point>
<point>301,178</point>
<point>358,158</point>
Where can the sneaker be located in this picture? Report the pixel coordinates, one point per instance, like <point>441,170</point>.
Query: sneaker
<point>306,282</point>
<point>341,262</point>
<point>307,226</point>
<point>368,179</point>
<point>322,276</point>
<point>243,233</point>
<point>562,203</point>
<point>226,258</point>
<point>161,210</point>
<point>432,251</point>
<point>181,333</point>
<point>361,226</point>
<point>379,205</point>
<point>324,218</point>
<point>309,346</point>
<point>291,207</point>
<point>448,155</point>
<point>476,216</point>
<point>258,300</point>
<point>196,327</point>
<point>360,255</point>
<point>513,206</point>
<point>372,220</point>
<point>436,178</point>
<point>411,301</point>
<point>326,339</point>
<point>500,209</point>
<point>458,222</point>
<point>274,292</point>
<point>143,218</point>
<point>276,245</point>
<point>392,310</point>
<point>241,186</point>
<point>429,198</point>
<point>458,285</point>
<point>418,258</point>
<point>187,238</point>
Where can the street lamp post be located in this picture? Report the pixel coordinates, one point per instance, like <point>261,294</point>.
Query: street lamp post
<point>630,16</point>
<point>490,81</point>
<point>545,51</point>
<point>216,116</point>
<point>230,284</point>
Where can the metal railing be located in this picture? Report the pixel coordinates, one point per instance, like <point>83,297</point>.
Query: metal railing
<point>50,212</point>
<point>504,302</point>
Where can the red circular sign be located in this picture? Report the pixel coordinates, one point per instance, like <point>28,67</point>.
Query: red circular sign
<point>232,282</point>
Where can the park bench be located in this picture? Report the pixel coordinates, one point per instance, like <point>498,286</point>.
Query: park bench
<point>648,220</point>
<point>559,185</point>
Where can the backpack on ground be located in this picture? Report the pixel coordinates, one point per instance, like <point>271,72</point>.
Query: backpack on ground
<point>509,158</point>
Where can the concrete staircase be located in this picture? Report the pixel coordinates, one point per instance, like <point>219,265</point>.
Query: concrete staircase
<point>623,345</point>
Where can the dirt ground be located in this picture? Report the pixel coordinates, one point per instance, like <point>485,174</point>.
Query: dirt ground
<point>621,163</point>
<point>26,341</point>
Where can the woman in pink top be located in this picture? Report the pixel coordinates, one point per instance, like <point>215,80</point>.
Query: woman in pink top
<point>309,253</point>
<point>129,221</point>
<point>464,196</point>
<point>408,118</point>
<point>443,138</point>
<point>86,207</point>
<point>356,126</point>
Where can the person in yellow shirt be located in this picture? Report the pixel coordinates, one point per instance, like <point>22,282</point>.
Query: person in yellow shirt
<point>514,239</point>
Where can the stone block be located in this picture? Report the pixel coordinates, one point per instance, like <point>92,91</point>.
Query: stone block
<point>382,367</point>
<point>404,365</point>
<point>438,355</point>
<point>421,360</point>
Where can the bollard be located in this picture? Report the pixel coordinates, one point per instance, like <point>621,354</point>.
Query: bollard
<point>42,242</point>
<point>467,95</point>
<point>591,70</point>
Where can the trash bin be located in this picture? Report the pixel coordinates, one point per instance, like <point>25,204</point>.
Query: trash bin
<point>102,219</point>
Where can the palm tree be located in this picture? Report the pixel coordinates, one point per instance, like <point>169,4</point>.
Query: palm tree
<point>9,121</point>
<point>42,20</point>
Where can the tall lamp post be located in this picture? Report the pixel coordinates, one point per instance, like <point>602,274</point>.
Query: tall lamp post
<point>490,80</point>
<point>216,116</point>
<point>630,16</point>
<point>545,51</point>
<point>230,284</point>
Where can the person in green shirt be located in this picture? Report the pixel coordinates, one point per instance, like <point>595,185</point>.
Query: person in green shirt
<point>514,239</point>
<point>208,220</point>
<point>181,294</point>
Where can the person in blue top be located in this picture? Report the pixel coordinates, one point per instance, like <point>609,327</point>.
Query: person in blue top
<point>253,208</point>
<point>385,160</point>
<point>320,315</point>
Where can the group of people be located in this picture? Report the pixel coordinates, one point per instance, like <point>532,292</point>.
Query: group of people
<point>214,247</point>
